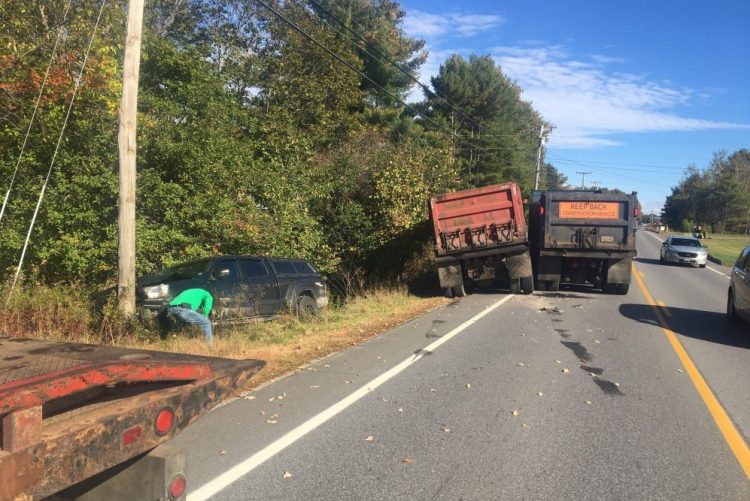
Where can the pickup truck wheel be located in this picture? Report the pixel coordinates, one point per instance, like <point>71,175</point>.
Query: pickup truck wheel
<point>306,307</point>
<point>701,265</point>
<point>448,291</point>
<point>527,284</point>
<point>515,286</point>
<point>622,289</point>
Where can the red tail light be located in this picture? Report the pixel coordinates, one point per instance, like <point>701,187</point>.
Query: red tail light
<point>635,211</point>
<point>164,421</point>
<point>177,487</point>
<point>541,210</point>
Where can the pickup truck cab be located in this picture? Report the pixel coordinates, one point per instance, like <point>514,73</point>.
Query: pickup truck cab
<point>243,287</point>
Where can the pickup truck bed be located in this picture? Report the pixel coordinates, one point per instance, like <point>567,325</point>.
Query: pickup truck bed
<point>69,411</point>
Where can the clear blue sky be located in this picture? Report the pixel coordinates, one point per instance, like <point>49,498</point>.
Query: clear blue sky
<point>638,90</point>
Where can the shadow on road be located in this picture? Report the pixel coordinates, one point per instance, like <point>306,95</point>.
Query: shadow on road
<point>647,260</point>
<point>699,324</point>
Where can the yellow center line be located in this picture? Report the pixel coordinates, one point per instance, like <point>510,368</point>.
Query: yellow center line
<point>664,307</point>
<point>725,425</point>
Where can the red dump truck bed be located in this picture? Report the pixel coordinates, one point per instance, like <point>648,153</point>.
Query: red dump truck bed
<point>478,219</point>
<point>69,411</point>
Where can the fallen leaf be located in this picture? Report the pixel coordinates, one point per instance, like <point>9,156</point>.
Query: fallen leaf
<point>222,452</point>
<point>283,394</point>
<point>314,386</point>
<point>407,460</point>
<point>558,361</point>
<point>280,397</point>
<point>588,402</point>
<point>680,371</point>
<point>524,425</point>
<point>592,374</point>
<point>566,370</point>
<point>385,399</point>
<point>540,393</point>
<point>515,412</point>
<point>596,341</point>
<point>520,364</point>
<point>446,430</point>
<point>271,421</point>
<point>262,413</point>
<point>286,475</point>
<point>326,365</point>
<point>468,385</point>
<point>360,331</point>
<point>250,397</point>
<point>347,382</point>
<point>617,384</point>
<point>274,416</point>
<point>369,438</point>
<point>433,390</point>
<point>400,409</point>
<point>272,399</point>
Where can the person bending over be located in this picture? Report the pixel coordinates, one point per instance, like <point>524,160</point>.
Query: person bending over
<point>192,307</point>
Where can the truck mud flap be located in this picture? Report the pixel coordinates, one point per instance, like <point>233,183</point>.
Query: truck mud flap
<point>618,271</point>
<point>450,275</point>
<point>519,266</point>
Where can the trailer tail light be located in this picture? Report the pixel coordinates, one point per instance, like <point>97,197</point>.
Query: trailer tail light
<point>131,435</point>
<point>635,211</point>
<point>541,210</point>
<point>164,421</point>
<point>177,487</point>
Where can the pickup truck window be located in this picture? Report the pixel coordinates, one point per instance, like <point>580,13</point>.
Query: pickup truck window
<point>253,268</point>
<point>225,265</point>
<point>284,267</point>
<point>303,268</point>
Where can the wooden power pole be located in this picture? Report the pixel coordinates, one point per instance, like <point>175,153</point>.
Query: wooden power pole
<point>127,152</point>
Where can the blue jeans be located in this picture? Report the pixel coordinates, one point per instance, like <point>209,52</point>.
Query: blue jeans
<point>194,318</point>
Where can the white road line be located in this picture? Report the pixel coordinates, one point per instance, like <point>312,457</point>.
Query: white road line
<point>243,468</point>
<point>708,267</point>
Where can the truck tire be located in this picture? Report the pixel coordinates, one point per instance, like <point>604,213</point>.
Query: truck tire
<point>459,290</point>
<point>527,284</point>
<point>731,310</point>
<point>448,291</point>
<point>515,285</point>
<point>622,289</point>
<point>306,307</point>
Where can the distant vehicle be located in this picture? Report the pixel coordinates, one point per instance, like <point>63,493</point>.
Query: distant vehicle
<point>480,239</point>
<point>683,250</point>
<point>583,237</point>
<point>243,287</point>
<point>738,296</point>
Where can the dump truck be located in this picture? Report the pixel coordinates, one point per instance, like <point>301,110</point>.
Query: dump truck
<point>480,239</point>
<point>583,237</point>
<point>93,422</point>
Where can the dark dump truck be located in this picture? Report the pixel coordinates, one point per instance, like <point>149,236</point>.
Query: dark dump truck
<point>583,237</point>
<point>480,239</point>
<point>83,422</point>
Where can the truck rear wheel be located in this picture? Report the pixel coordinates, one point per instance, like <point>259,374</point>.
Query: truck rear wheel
<point>622,289</point>
<point>527,284</point>
<point>515,285</point>
<point>306,307</point>
<point>459,290</point>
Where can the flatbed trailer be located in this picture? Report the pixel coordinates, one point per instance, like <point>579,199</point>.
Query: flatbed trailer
<point>70,412</point>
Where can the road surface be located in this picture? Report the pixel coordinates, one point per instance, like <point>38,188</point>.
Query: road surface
<point>569,395</point>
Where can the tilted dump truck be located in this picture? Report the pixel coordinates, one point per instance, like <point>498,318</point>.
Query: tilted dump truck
<point>480,239</point>
<point>583,237</point>
<point>82,421</point>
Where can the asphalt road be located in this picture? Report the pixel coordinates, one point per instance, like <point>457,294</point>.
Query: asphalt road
<point>569,395</point>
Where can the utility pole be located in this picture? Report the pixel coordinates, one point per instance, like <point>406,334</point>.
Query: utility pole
<point>539,157</point>
<point>127,152</point>
<point>583,179</point>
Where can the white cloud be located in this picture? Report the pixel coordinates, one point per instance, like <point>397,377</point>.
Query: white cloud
<point>425,25</point>
<point>587,103</point>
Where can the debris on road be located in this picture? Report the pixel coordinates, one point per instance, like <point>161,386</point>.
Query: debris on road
<point>286,475</point>
<point>515,412</point>
<point>369,438</point>
<point>407,460</point>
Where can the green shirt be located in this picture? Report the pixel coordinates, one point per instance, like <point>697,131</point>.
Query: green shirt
<point>195,298</point>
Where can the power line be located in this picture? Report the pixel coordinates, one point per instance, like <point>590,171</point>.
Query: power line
<point>57,148</point>
<point>553,155</point>
<point>33,114</point>
<point>395,64</point>
<point>363,75</point>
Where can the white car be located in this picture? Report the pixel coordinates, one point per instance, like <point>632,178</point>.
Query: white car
<point>687,250</point>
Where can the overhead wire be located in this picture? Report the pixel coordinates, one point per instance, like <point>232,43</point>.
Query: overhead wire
<point>382,57</point>
<point>302,32</point>
<point>57,149</point>
<point>33,114</point>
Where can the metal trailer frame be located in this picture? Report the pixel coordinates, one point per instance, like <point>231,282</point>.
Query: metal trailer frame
<point>71,411</point>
